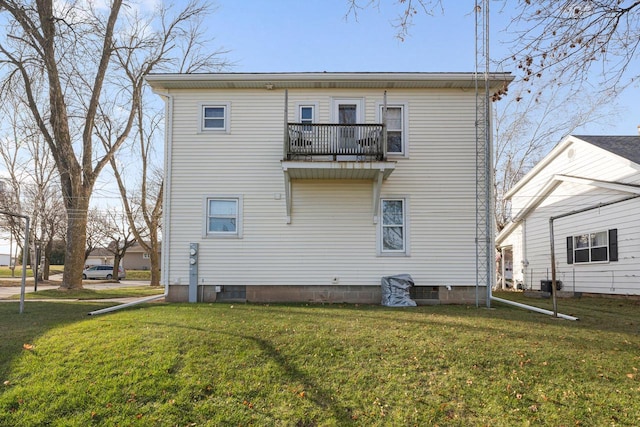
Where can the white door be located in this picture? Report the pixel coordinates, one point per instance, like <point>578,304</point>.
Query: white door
<point>347,111</point>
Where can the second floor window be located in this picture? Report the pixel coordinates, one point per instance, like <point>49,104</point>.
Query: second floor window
<point>215,117</point>
<point>396,138</point>
<point>306,114</point>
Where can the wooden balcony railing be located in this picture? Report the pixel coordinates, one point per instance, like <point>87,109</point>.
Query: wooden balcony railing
<point>340,142</point>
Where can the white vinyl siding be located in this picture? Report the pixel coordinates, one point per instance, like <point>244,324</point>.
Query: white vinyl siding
<point>332,233</point>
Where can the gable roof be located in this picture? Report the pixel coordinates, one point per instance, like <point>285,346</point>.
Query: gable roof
<point>624,146</point>
<point>627,147</point>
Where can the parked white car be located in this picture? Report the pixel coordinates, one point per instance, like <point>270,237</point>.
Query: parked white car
<point>102,272</point>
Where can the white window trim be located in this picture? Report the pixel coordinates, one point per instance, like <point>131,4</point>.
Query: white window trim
<point>313,105</point>
<point>221,235</point>
<point>360,105</point>
<point>405,125</point>
<point>590,248</point>
<point>227,117</point>
<point>407,228</point>
<point>145,255</point>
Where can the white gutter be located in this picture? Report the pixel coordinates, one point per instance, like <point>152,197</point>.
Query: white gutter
<point>165,211</point>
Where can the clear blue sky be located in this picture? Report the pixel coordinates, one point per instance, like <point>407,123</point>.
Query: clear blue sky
<point>313,35</point>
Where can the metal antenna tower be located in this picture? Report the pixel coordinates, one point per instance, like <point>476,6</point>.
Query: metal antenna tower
<point>484,175</point>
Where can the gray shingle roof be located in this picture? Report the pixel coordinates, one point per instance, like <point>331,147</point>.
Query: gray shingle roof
<point>624,146</point>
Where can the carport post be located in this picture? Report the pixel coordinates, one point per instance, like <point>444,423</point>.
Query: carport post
<point>25,250</point>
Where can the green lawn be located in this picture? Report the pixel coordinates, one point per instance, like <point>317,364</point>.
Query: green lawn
<point>320,365</point>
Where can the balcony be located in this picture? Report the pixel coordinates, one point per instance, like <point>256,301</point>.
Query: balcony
<point>335,142</point>
<point>335,151</point>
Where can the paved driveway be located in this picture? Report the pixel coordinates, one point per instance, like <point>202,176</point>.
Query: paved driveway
<point>8,291</point>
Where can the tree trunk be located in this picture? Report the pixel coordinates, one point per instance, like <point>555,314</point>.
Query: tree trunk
<point>76,241</point>
<point>116,267</point>
<point>154,259</point>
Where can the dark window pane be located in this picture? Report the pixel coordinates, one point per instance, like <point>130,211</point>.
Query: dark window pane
<point>599,254</point>
<point>582,255</point>
<point>306,114</point>
<point>394,142</point>
<point>347,114</point>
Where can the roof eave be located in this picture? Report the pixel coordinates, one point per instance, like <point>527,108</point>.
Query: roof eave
<point>321,80</point>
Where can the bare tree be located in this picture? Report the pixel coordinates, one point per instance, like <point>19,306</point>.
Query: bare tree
<point>31,177</point>
<point>98,228</point>
<point>120,237</point>
<point>77,50</point>
<point>142,201</point>
<point>567,40</point>
<point>408,10</point>
<point>143,207</point>
<point>528,127</point>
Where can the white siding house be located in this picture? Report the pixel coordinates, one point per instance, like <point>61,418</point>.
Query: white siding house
<point>584,193</point>
<point>287,186</point>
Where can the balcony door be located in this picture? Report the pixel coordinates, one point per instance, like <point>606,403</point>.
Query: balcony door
<point>347,111</point>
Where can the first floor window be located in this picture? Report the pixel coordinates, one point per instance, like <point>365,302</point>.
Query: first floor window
<point>599,246</point>
<point>223,216</point>
<point>393,224</point>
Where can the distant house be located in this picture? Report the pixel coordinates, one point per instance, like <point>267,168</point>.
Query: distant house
<point>585,192</point>
<point>5,259</point>
<point>100,256</point>
<point>313,186</point>
<point>136,258</point>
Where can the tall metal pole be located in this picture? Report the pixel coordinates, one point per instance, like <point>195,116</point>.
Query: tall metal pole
<point>484,176</point>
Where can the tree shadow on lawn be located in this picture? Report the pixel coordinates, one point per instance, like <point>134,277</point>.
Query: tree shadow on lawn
<point>320,397</point>
<point>501,320</point>
<point>20,330</point>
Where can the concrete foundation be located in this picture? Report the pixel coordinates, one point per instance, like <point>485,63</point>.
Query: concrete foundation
<point>326,294</point>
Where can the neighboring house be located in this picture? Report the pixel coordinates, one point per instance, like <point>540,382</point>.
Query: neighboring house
<point>287,186</point>
<point>136,258</point>
<point>5,259</point>
<point>584,192</point>
<point>100,256</point>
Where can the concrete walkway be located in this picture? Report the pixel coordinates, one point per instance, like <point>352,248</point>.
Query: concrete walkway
<point>7,292</point>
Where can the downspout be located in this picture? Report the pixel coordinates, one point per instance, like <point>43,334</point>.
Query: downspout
<point>166,204</point>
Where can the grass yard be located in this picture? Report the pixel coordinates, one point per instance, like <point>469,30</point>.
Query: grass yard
<point>320,365</point>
